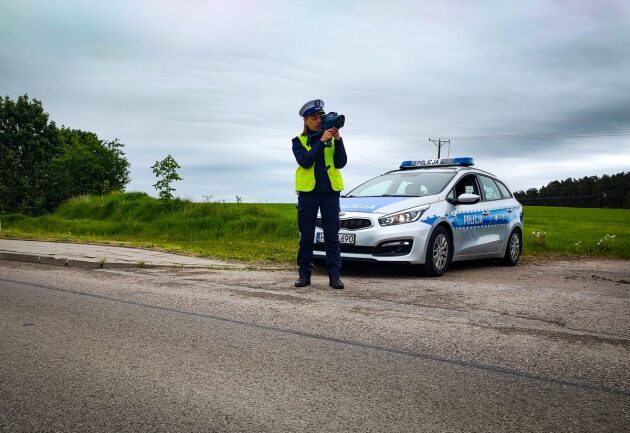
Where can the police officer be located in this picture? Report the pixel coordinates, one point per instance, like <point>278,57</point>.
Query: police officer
<point>318,182</point>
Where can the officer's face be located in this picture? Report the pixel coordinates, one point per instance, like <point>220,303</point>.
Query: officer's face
<point>313,121</point>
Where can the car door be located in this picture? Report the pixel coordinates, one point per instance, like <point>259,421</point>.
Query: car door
<point>469,234</point>
<point>495,213</point>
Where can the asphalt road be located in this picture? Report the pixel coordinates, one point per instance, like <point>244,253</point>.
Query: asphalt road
<point>541,347</point>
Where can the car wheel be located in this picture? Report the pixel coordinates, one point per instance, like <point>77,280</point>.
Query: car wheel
<point>513,249</point>
<point>439,253</point>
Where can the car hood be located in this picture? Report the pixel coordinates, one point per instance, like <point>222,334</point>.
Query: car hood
<point>383,205</point>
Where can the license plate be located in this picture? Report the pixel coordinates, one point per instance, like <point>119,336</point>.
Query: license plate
<point>344,238</point>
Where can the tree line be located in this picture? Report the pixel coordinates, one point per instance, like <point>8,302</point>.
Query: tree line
<point>611,191</point>
<point>42,165</point>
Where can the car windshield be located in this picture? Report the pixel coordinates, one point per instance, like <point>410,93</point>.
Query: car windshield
<point>404,184</point>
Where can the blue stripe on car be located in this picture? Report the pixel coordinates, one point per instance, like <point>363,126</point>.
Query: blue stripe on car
<point>474,219</point>
<point>367,204</point>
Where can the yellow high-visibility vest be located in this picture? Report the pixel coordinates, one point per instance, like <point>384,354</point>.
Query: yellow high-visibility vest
<point>305,177</point>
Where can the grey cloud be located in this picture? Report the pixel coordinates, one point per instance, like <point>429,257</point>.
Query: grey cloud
<point>218,85</point>
<point>610,116</point>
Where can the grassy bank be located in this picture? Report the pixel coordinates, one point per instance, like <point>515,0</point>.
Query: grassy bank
<point>268,232</point>
<point>231,231</point>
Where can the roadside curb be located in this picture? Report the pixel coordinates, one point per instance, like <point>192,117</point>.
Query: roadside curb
<point>56,261</point>
<point>101,264</point>
<point>99,256</point>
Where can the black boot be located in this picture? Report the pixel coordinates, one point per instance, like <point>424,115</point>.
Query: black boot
<point>336,283</point>
<point>303,282</point>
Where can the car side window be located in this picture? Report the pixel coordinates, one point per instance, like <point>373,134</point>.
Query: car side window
<point>490,189</point>
<point>505,192</point>
<point>467,185</point>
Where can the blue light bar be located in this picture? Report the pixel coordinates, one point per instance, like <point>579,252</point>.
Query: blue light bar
<point>463,161</point>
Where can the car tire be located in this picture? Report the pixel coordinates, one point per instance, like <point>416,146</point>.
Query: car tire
<point>513,249</point>
<point>439,253</point>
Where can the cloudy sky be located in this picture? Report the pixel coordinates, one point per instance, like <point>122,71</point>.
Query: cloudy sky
<point>534,90</point>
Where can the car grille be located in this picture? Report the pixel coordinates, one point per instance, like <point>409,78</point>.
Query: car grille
<point>350,224</point>
<point>380,250</point>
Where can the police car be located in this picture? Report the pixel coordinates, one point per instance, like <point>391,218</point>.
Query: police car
<point>429,213</point>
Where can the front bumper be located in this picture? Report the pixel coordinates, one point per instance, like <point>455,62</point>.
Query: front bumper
<point>397,243</point>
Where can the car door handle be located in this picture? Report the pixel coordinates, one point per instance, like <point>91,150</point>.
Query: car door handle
<point>485,213</point>
<point>510,210</point>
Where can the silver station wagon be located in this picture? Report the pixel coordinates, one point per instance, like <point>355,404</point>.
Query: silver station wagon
<point>429,213</point>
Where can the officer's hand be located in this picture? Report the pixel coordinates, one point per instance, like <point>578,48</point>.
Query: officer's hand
<point>335,133</point>
<point>327,135</point>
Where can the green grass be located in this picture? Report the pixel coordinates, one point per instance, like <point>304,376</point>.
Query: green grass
<point>565,227</point>
<point>268,232</point>
<point>231,231</point>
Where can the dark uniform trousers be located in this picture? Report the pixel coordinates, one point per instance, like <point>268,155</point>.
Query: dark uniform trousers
<point>308,204</point>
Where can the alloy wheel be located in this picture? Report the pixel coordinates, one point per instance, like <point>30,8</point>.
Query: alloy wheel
<point>440,251</point>
<point>515,246</point>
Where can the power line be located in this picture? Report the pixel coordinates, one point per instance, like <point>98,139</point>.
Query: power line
<point>378,158</point>
<point>414,146</point>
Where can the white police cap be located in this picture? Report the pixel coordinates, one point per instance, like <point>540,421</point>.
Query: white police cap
<point>312,107</point>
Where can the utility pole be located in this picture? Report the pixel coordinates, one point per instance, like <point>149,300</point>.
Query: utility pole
<point>439,143</point>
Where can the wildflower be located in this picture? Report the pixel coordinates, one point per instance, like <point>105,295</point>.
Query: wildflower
<point>539,238</point>
<point>605,242</point>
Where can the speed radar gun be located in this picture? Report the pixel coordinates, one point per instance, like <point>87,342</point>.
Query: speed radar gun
<point>330,120</point>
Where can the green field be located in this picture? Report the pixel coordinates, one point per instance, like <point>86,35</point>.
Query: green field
<point>268,232</point>
<point>577,231</point>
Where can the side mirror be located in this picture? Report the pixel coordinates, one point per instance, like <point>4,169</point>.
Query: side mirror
<point>468,199</point>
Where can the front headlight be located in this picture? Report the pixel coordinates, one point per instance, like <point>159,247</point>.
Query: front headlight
<point>404,217</point>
